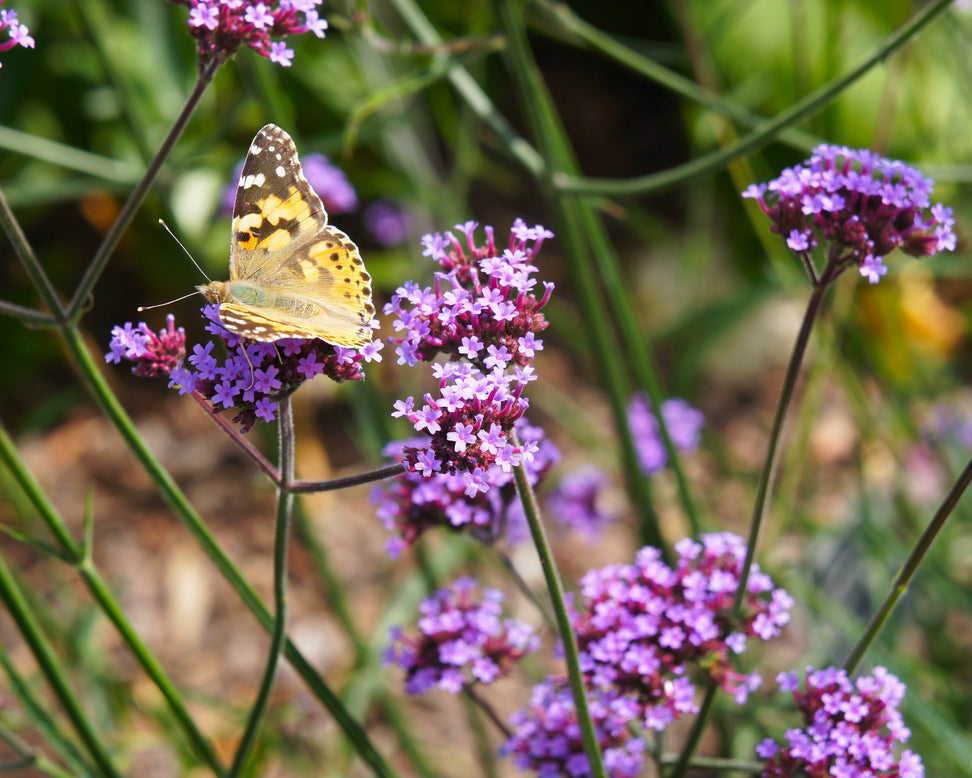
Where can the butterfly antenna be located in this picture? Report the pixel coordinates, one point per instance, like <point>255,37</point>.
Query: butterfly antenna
<point>191,258</point>
<point>150,307</point>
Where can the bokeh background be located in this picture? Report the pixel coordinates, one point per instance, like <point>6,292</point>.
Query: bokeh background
<point>882,428</point>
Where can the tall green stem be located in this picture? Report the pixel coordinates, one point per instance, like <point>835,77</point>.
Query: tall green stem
<point>103,595</point>
<point>134,202</point>
<point>556,589</point>
<point>285,509</point>
<point>763,134</point>
<point>763,492</point>
<point>909,568</point>
<point>21,612</point>
<point>767,475</point>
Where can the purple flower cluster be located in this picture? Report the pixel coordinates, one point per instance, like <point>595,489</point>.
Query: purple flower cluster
<point>547,739</point>
<point>463,641</point>
<point>18,32</point>
<point>849,731</point>
<point>641,625</point>
<point>250,378</point>
<point>482,313</point>
<point>220,27</point>
<point>153,355</point>
<point>387,222</point>
<point>683,422</point>
<point>863,205</point>
<point>325,178</point>
<point>413,503</point>
<point>576,502</point>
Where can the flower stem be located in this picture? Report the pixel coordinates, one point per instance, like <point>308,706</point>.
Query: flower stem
<point>692,741</point>
<point>380,474</point>
<point>25,253</point>
<point>134,202</point>
<point>50,666</point>
<point>763,491</point>
<point>285,509</point>
<point>764,133</point>
<point>568,639</point>
<point>176,499</point>
<point>765,485</point>
<point>909,568</point>
<point>102,594</point>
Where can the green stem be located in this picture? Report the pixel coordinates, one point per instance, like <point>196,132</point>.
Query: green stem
<point>762,135</point>
<point>389,471</point>
<point>556,589</point>
<point>763,491</point>
<point>27,316</point>
<point>134,202</point>
<point>285,510</point>
<point>572,218</point>
<point>695,735</point>
<point>909,568</point>
<point>29,145</point>
<point>25,253</point>
<point>20,611</point>
<point>471,92</point>
<point>184,510</point>
<point>578,31</point>
<point>103,595</point>
<point>764,487</point>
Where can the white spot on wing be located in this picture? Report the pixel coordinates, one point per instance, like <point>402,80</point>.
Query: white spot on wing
<point>280,171</point>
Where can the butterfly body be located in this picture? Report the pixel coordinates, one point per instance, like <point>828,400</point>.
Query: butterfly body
<point>292,275</point>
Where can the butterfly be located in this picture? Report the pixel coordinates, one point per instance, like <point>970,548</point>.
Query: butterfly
<point>291,274</point>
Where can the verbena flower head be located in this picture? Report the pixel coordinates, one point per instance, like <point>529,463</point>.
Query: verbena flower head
<point>328,180</point>
<point>860,204</point>
<point>482,314</point>
<point>576,503</point>
<point>683,422</point>
<point>641,627</point>
<point>250,378</point>
<point>17,32</point>
<point>220,27</point>
<point>387,222</point>
<point>849,729</point>
<point>464,640</point>
<point>153,355</point>
<point>413,503</point>
<point>546,736</point>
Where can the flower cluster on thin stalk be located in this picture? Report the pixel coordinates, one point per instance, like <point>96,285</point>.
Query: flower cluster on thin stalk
<point>220,27</point>
<point>683,422</point>
<point>387,221</point>
<point>546,736</point>
<point>464,641</point>
<point>17,32</point>
<point>151,355</point>
<point>327,179</point>
<point>849,731</point>
<point>412,503</point>
<point>481,313</point>
<point>641,627</point>
<point>858,203</point>
<point>251,377</point>
<point>577,502</point>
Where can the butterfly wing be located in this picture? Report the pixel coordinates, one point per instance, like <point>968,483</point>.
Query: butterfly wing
<point>311,274</point>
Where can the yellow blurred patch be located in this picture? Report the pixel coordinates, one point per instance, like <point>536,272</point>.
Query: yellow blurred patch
<point>934,327</point>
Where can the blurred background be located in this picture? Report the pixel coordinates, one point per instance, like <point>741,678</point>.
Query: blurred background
<point>884,422</point>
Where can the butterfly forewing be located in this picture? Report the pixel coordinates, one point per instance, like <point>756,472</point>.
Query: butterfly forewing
<point>310,275</point>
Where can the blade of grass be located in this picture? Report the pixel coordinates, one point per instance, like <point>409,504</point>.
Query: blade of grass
<point>102,594</point>
<point>50,666</point>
